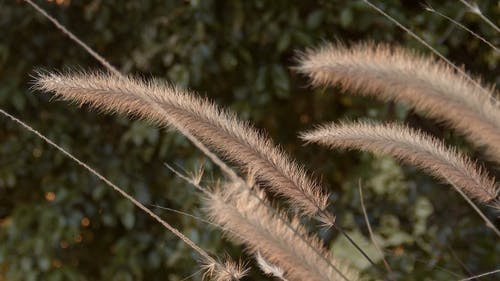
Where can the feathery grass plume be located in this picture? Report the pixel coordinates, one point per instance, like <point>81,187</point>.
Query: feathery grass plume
<point>168,105</point>
<point>412,147</point>
<point>370,231</point>
<point>233,207</point>
<point>256,195</point>
<point>396,74</point>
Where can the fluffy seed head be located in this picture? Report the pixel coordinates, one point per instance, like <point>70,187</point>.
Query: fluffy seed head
<point>396,74</point>
<point>219,129</point>
<point>412,147</point>
<point>282,242</point>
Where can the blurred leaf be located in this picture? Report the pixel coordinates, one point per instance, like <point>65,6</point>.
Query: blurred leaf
<point>314,19</point>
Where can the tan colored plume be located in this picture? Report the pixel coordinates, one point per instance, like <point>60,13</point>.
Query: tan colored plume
<point>269,268</point>
<point>227,270</point>
<point>168,105</point>
<point>298,254</point>
<point>412,147</point>
<point>432,87</point>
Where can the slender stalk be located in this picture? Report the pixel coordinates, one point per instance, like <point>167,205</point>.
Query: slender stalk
<point>73,37</point>
<point>189,215</point>
<point>475,9</point>
<point>372,236</point>
<point>486,220</point>
<point>206,257</point>
<point>481,275</point>
<point>432,10</point>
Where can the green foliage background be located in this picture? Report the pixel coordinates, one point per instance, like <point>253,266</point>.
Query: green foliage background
<point>240,54</point>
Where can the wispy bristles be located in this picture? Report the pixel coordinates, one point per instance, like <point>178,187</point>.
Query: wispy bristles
<point>225,271</point>
<point>238,211</point>
<point>167,105</point>
<point>396,74</point>
<point>270,269</point>
<point>412,147</point>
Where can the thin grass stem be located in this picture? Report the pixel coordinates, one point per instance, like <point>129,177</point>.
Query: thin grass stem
<point>432,10</point>
<point>481,275</point>
<point>73,37</point>
<point>475,9</point>
<point>372,236</point>
<point>206,257</point>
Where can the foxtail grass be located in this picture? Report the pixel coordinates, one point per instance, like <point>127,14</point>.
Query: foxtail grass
<point>215,127</point>
<point>234,208</point>
<point>416,148</point>
<point>412,147</point>
<point>395,74</point>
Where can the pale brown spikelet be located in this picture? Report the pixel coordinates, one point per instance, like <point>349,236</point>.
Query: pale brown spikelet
<point>168,105</point>
<point>392,73</point>
<point>228,270</point>
<point>299,254</point>
<point>412,147</point>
